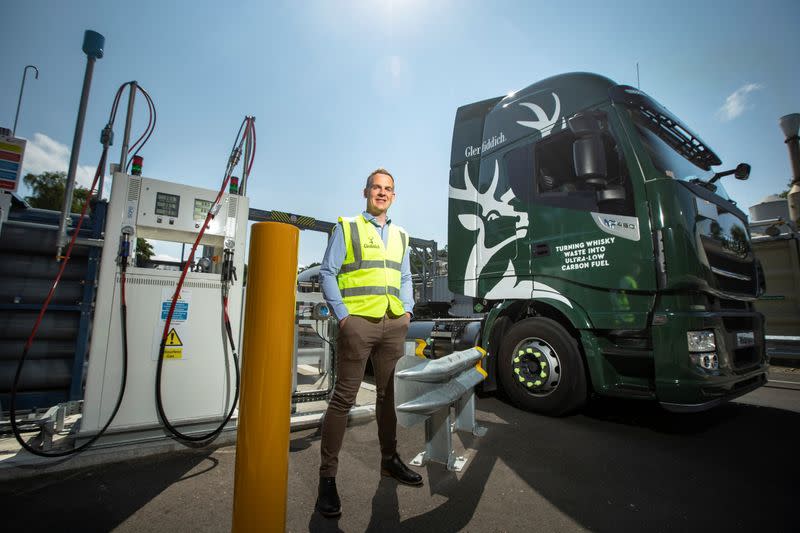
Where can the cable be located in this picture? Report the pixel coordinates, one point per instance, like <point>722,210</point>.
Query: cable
<point>107,137</point>
<point>26,349</point>
<point>248,126</point>
<point>252,152</point>
<point>148,132</point>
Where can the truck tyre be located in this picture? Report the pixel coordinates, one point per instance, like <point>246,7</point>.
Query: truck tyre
<point>541,369</point>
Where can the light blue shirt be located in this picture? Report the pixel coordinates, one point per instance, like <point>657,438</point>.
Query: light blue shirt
<point>332,263</point>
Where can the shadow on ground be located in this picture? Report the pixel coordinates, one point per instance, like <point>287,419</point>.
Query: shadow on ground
<point>100,498</point>
<point>623,466</point>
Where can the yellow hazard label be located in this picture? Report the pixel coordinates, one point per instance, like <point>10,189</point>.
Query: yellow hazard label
<point>173,339</point>
<point>173,348</point>
<point>173,353</point>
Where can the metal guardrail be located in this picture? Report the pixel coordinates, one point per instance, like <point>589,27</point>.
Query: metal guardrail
<point>425,391</point>
<point>783,347</point>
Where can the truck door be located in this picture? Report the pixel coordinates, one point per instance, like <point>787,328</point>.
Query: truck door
<point>589,237</point>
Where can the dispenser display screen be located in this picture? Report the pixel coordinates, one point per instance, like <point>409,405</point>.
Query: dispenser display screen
<point>201,208</point>
<point>167,204</point>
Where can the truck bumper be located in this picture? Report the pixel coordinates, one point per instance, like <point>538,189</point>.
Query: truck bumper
<point>682,385</point>
<point>742,389</point>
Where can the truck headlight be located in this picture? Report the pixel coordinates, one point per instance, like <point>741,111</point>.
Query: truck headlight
<point>701,341</point>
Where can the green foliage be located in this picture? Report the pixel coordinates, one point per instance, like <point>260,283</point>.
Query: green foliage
<point>48,191</point>
<point>144,251</point>
<point>785,193</point>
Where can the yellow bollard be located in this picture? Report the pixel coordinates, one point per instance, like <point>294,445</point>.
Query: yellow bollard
<point>262,445</point>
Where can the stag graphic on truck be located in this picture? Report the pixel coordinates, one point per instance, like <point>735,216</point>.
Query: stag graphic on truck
<point>601,250</point>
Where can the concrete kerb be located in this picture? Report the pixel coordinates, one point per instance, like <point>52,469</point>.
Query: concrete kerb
<point>24,465</point>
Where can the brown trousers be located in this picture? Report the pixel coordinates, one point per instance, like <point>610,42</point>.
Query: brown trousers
<point>360,338</point>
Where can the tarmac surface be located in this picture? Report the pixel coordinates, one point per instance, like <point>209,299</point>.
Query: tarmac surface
<point>619,466</point>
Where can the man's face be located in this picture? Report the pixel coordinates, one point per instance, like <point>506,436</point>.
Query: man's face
<point>379,195</point>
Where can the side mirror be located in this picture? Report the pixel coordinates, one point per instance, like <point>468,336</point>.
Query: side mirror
<point>589,158</point>
<point>588,152</point>
<point>742,171</point>
<point>583,124</point>
<point>611,194</point>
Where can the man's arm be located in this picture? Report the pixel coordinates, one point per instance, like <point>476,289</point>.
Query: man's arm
<point>331,264</point>
<point>406,286</point>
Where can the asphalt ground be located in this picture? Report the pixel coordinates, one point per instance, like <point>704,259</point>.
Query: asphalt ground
<point>619,466</point>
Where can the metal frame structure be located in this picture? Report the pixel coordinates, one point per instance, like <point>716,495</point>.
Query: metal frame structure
<point>90,235</point>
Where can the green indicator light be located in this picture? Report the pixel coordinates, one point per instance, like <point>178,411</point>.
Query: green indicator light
<point>136,165</point>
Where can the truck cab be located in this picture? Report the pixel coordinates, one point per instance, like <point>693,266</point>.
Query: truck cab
<point>588,220</point>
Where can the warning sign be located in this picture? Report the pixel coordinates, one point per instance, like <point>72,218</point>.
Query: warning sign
<point>174,346</point>
<point>178,330</point>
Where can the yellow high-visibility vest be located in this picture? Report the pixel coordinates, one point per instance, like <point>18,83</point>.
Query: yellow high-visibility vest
<point>369,278</point>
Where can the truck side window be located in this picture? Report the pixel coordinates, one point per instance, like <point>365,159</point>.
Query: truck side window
<point>543,173</point>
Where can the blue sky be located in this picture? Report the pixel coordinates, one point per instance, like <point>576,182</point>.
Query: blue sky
<point>339,88</point>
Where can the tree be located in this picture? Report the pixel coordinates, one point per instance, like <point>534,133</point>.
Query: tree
<point>48,191</point>
<point>144,251</point>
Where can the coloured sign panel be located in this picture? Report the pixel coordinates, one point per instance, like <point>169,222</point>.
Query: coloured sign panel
<point>12,153</point>
<point>178,331</point>
<point>173,348</point>
<point>180,313</point>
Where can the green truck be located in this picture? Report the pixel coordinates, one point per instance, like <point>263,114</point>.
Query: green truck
<point>606,258</point>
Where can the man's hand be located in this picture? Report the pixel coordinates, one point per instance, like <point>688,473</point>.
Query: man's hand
<point>342,321</point>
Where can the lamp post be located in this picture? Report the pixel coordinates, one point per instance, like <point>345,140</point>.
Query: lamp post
<point>21,88</point>
<point>93,44</point>
<point>790,125</point>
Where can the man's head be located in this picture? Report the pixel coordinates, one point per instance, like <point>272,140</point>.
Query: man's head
<point>379,191</point>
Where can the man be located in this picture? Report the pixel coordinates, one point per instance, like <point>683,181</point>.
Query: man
<point>366,280</point>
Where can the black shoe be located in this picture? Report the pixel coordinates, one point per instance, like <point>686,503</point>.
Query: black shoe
<point>395,468</point>
<point>328,503</point>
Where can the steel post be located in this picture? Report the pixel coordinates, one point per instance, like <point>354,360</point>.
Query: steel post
<point>19,101</point>
<point>262,444</point>
<point>126,139</point>
<point>790,124</point>
<point>93,48</point>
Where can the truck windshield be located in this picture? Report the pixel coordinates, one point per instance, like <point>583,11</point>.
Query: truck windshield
<point>674,149</point>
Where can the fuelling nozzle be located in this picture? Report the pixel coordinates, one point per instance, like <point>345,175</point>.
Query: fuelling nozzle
<point>107,136</point>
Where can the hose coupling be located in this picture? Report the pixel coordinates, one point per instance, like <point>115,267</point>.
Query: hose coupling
<point>107,136</point>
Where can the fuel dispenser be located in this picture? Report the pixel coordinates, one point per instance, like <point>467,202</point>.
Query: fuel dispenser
<point>197,385</point>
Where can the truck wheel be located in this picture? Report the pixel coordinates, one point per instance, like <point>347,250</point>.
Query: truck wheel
<point>541,369</point>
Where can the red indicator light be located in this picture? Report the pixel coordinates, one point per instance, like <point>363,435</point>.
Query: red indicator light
<point>136,167</point>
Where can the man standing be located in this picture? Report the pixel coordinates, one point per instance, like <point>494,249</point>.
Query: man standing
<point>366,280</point>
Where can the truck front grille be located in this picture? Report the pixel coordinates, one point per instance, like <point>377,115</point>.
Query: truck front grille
<point>735,275</point>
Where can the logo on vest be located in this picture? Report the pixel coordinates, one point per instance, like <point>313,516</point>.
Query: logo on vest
<point>371,243</point>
